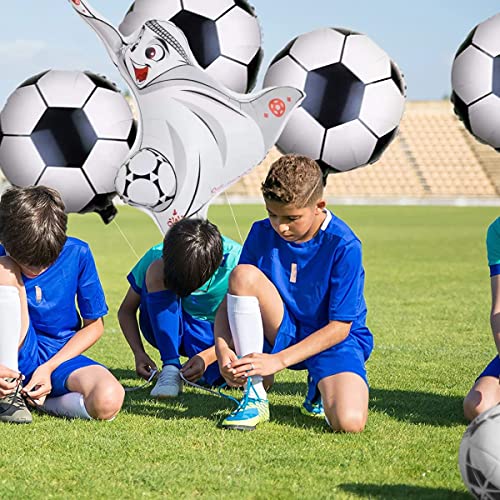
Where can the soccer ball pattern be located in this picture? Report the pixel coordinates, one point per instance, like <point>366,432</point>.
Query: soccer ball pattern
<point>147,180</point>
<point>71,131</point>
<point>354,98</point>
<point>224,35</point>
<point>479,455</point>
<point>475,80</point>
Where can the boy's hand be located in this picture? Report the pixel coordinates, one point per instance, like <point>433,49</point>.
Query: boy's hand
<point>257,364</point>
<point>194,369</point>
<point>39,386</point>
<point>226,359</point>
<point>144,365</point>
<point>7,388</point>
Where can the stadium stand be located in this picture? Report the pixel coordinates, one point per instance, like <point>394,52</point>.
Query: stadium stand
<point>433,159</point>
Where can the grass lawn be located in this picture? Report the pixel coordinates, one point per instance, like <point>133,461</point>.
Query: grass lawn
<point>427,289</point>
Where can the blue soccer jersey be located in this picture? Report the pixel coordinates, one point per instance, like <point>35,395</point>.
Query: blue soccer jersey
<point>51,295</point>
<point>493,247</point>
<point>319,280</point>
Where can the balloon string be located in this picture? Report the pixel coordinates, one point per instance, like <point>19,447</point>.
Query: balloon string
<point>125,238</point>
<point>234,217</point>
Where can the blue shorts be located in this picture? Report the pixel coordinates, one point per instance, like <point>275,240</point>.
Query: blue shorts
<point>38,349</point>
<point>196,335</point>
<point>348,356</point>
<point>492,370</point>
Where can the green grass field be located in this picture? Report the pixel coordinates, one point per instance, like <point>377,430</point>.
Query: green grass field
<point>427,289</point>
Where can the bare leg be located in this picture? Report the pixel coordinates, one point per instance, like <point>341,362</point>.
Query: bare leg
<point>345,399</point>
<point>485,394</point>
<point>102,393</point>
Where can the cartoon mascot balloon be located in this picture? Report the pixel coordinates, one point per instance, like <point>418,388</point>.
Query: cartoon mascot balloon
<point>196,137</point>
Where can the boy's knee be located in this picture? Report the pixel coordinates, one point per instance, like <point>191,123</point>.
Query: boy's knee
<point>474,405</point>
<point>244,279</point>
<point>350,421</point>
<point>107,402</point>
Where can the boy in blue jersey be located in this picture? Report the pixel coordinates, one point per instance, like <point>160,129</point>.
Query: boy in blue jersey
<point>42,332</point>
<point>177,287</point>
<point>296,301</point>
<point>485,393</point>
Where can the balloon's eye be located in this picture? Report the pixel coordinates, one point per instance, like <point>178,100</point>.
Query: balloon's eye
<point>155,52</point>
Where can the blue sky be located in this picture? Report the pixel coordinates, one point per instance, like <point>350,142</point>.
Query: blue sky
<point>421,36</point>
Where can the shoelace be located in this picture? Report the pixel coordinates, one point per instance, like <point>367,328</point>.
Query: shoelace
<point>15,397</point>
<point>217,392</point>
<point>244,401</point>
<point>144,384</point>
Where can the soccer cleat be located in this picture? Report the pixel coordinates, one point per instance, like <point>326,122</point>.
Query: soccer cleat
<point>169,383</point>
<point>312,405</point>
<point>313,408</point>
<point>250,412</point>
<point>13,408</point>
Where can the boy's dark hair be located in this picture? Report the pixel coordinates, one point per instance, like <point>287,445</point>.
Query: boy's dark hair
<point>33,225</point>
<point>294,180</point>
<point>192,252</point>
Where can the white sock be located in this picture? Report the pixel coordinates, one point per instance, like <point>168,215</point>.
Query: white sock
<point>247,330</point>
<point>10,326</point>
<point>69,405</point>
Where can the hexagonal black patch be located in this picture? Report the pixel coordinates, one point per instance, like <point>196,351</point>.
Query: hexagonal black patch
<point>101,81</point>
<point>461,110</point>
<point>496,76</point>
<point>1,134</point>
<point>201,34</point>
<point>64,137</point>
<point>466,43</point>
<point>243,4</point>
<point>253,69</point>
<point>283,52</point>
<point>333,95</point>
<point>382,144</point>
<point>33,79</point>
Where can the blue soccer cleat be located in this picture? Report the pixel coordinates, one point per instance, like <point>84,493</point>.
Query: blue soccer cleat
<point>312,405</point>
<point>250,412</point>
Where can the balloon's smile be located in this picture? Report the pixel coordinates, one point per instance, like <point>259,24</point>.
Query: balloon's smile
<point>141,72</point>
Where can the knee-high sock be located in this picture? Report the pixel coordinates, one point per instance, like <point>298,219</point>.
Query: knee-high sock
<point>71,405</point>
<point>10,326</point>
<point>164,311</point>
<point>247,330</point>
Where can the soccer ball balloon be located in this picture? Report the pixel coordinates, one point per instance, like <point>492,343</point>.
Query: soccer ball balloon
<point>354,99</point>
<point>479,455</point>
<point>147,180</point>
<point>71,131</point>
<point>475,80</point>
<point>224,35</point>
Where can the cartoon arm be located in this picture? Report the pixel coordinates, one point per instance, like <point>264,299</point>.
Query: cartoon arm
<point>110,36</point>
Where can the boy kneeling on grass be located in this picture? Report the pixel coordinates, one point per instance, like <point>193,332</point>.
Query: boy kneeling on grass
<point>42,332</point>
<point>296,301</point>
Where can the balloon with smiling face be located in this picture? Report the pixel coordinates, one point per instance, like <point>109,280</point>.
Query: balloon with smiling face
<point>196,137</point>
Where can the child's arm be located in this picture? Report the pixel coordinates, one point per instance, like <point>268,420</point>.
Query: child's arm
<point>495,309</point>
<point>268,364</point>
<point>195,367</point>
<point>40,386</point>
<point>127,317</point>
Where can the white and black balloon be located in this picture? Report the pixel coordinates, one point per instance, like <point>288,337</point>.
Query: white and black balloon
<point>475,80</point>
<point>479,455</point>
<point>71,131</point>
<point>355,97</point>
<point>196,137</point>
<point>224,35</point>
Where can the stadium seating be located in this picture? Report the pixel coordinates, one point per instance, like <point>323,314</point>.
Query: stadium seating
<point>432,158</point>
